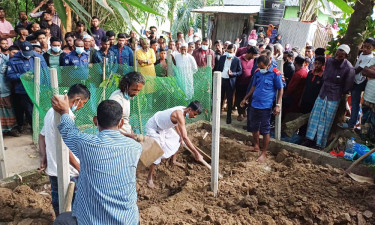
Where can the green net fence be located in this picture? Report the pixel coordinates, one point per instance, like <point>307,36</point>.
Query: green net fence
<point>159,93</point>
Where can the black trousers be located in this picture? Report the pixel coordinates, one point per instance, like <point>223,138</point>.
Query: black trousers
<point>227,92</point>
<point>240,94</point>
<point>23,106</point>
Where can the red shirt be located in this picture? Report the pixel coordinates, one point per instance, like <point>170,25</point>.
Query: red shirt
<point>295,88</point>
<point>247,66</point>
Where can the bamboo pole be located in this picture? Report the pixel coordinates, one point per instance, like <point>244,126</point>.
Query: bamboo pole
<point>3,168</point>
<point>169,63</point>
<point>215,132</point>
<point>104,64</point>
<point>135,63</point>
<point>62,153</point>
<point>278,117</point>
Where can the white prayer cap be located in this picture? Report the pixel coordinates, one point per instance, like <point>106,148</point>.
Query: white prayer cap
<point>345,48</point>
<point>86,36</point>
<point>252,43</point>
<point>227,43</point>
<point>184,45</point>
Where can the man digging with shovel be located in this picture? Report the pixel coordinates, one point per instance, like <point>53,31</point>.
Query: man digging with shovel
<point>168,129</point>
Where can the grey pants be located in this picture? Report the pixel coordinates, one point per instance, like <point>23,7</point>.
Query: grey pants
<point>65,218</point>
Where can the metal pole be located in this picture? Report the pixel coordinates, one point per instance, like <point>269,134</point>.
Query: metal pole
<point>3,168</point>
<point>37,99</point>
<point>62,153</point>
<point>215,132</point>
<point>278,117</point>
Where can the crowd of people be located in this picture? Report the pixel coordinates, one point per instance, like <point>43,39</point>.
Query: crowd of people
<point>310,82</point>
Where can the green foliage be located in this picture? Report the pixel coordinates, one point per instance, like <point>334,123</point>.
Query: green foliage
<point>12,7</point>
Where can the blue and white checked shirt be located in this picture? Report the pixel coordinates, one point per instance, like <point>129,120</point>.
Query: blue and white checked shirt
<point>107,183</point>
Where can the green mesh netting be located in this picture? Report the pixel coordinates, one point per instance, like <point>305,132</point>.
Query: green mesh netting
<point>159,93</point>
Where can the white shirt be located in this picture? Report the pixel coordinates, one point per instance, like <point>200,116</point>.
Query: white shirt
<point>362,62</point>
<point>370,86</point>
<point>186,66</point>
<point>49,132</point>
<point>226,68</point>
<point>119,97</point>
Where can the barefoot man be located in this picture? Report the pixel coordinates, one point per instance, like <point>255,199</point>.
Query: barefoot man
<point>168,129</point>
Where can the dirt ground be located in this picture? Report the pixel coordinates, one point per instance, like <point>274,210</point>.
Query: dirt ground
<point>287,189</point>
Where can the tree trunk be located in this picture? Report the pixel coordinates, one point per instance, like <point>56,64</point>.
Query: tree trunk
<point>357,27</point>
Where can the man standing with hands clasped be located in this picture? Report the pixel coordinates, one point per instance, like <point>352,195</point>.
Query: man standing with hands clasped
<point>230,67</point>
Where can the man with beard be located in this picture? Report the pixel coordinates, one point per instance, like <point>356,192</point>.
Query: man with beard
<point>338,78</point>
<point>23,20</point>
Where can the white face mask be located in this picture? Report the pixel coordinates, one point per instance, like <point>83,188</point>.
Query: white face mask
<point>205,47</point>
<point>74,106</point>
<point>263,71</point>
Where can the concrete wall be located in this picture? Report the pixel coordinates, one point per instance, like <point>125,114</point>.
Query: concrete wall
<point>291,13</point>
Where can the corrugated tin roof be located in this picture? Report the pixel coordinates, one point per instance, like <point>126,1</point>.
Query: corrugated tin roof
<point>228,9</point>
<point>241,2</point>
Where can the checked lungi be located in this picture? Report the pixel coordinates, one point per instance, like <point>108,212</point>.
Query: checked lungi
<point>8,119</point>
<point>321,120</point>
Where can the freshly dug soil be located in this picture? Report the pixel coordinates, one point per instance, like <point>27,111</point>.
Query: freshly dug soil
<point>24,206</point>
<point>286,189</point>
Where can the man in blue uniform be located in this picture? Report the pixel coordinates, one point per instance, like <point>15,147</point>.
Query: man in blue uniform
<point>21,63</point>
<point>76,65</point>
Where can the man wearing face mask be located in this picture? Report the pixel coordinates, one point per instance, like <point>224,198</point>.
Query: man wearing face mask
<point>55,56</point>
<point>129,87</point>
<point>230,67</point>
<point>200,54</point>
<point>168,129</point>
<point>78,58</point>
<point>78,95</point>
<point>21,63</point>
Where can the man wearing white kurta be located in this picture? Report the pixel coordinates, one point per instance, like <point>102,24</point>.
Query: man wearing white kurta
<point>168,129</point>
<point>187,67</point>
<point>130,85</point>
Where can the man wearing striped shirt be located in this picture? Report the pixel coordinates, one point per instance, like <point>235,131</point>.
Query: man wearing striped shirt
<point>107,186</point>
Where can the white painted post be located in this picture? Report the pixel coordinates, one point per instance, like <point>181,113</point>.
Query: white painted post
<point>62,153</point>
<point>37,99</point>
<point>216,98</point>
<point>280,66</point>
<point>3,168</point>
<point>169,63</point>
<point>104,64</point>
<point>209,61</point>
<point>135,61</point>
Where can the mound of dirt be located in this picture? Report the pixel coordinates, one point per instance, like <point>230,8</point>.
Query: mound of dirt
<point>25,206</point>
<point>287,189</point>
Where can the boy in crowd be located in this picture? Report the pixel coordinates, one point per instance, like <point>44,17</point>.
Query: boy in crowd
<point>359,82</point>
<point>263,91</point>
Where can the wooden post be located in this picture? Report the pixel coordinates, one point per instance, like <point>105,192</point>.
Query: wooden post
<point>37,99</point>
<point>104,64</point>
<point>280,66</point>
<point>169,63</point>
<point>135,61</point>
<point>3,168</point>
<point>209,61</point>
<point>216,98</point>
<point>62,153</point>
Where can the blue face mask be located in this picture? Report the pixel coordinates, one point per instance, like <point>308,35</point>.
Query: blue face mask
<point>56,49</point>
<point>126,96</point>
<point>187,116</point>
<point>74,106</point>
<point>204,47</point>
<point>263,71</point>
<point>26,57</point>
<point>80,50</point>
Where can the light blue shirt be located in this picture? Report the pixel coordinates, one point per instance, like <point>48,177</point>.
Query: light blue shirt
<point>107,181</point>
<point>5,85</point>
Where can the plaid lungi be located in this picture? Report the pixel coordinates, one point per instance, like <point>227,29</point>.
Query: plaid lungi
<point>321,120</point>
<point>8,120</point>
